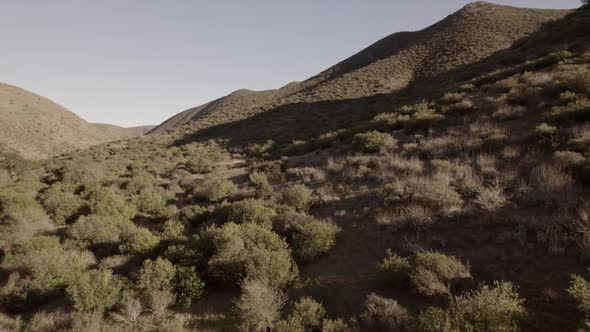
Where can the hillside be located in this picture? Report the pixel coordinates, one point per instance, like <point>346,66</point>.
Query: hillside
<point>38,128</point>
<point>460,203</point>
<point>469,35</point>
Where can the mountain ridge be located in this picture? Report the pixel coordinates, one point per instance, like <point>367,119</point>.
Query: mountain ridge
<point>389,64</point>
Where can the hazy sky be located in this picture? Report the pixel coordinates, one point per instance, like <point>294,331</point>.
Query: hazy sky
<point>136,62</point>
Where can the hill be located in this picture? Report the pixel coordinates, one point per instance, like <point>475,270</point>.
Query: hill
<point>115,133</point>
<point>38,128</point>
<point>458,203</point>
<point>469,35</point>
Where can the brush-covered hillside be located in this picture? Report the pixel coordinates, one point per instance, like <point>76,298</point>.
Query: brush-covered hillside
<point>458,203</point>
<point>474,32</point>
<point>37,128</point>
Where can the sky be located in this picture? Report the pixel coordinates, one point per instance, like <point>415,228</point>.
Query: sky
<point>138,62</point>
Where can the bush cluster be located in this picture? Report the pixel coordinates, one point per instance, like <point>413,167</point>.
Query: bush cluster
<point>373,141</point>
<point>495,307</point>
<point>248,251</point>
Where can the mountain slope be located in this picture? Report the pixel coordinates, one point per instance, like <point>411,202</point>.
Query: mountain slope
<point>36,127</point>
<point>474,32</point>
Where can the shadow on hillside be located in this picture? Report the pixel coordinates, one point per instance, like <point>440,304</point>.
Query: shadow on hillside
<point>302,121</point>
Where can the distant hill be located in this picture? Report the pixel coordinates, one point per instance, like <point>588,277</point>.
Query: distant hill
<point>117,133</point>
<point>36,127</point>
<point>474,32</point>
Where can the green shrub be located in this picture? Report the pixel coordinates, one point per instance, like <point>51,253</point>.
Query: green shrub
<point>386,314</point>
<point>569,158</point>
<point>390,120</point>
<point>461,107</point>
<point>260,181</point>
<point>215,188</point>
<point>95,229</point>
<point>580,290</point>
<point>495,308</point>
<point>251,211</point>
<point>394,269</point>
<point>336,325</point>
<point>152,201</point>
<point>288,325</point>
<point>51,265</point>
<point>261,150</point>
<point>104,201</point>
<point>575,81</point>
<point>188,286</point>
<point>141,242</point>
<point>545,130</point>
<point>259,306</point>
<point>140,180</point>
<point>199,165</point>
<point>309,313</point>
<point>373,141</point>
<point>314,238</point>
<point>435,273</point>
<point>569,97</point>
<point>62,206</point>
<point>157,275</point>
<point>96,291</point>
<point>173,230</point>
<point>578,110</point>
<point>297,196</point>
<point>467,88</point>
<point>451,98</point>
<point>192,214</point>
<point>249,251</point>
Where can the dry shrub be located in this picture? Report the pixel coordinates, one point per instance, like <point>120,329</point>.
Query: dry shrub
<point>383,313</point>
<point>260,181</point>
<point>509,112</point>
<point>414,216</point>
<point>374,141</point>
<point>549,178</point>
<point>335,165</point>
<point>491,198</point>
<point>435,272</point>
<point>308,174</point>
<point>395,165</point>
<point>486,164</point>
<point>466,180</point>
<point>433,192</point>
<point>581,223</point>
<point>510,152</point>
<point>451,98</point>
<point>569,158</point>
<point>440,146</point>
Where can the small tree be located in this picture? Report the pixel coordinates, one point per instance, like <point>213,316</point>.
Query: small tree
<point>188,286</point>
<point>259,306</point>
